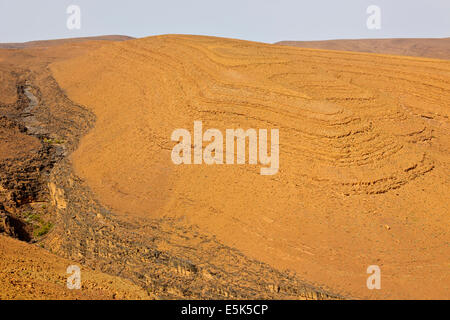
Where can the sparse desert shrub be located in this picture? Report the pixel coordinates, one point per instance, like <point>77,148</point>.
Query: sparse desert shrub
<point>32,217</point>
<point>54,141</point>
<point>43,229</point>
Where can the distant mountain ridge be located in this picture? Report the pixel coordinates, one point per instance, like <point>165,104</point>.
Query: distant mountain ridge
<point>438,48</point>
<point>53,42</point>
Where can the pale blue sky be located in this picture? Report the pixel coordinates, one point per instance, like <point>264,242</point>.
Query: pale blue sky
<point>258,20</point>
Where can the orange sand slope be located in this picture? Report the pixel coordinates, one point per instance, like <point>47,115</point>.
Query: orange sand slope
<point>364,145</point>
<point>39,273</point>
<point>422,47</point>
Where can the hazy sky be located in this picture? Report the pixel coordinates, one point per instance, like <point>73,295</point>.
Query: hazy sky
<point>258,20</point>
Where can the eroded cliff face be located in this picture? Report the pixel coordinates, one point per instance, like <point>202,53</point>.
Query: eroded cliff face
<point>42,200</point>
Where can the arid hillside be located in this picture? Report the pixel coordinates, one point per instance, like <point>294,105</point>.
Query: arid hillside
<point>364,165</point>
<point>46,205</point>
<point>29,272</point>
<point>421,47</point>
